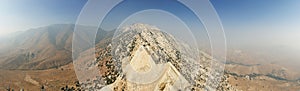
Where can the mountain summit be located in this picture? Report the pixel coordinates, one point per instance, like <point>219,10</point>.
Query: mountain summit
<point>142,57</point>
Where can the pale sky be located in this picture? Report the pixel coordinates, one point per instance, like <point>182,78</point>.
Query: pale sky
<point>260,23</point>
<point>245,22</point>
<point>20,15</point>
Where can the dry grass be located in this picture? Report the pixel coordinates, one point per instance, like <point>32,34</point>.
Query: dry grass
<point>31,80</point>
<point>263,83</point>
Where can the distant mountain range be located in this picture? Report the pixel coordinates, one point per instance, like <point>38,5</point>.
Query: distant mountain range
<point>44,47</point>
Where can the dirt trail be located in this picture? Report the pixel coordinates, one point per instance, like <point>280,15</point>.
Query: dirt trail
<point>30,80</point>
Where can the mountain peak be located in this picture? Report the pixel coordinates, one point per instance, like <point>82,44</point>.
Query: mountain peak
<point>145,58</point>
<point>140,27</point>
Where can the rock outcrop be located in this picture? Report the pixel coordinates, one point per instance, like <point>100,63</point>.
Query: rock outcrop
<point>143,58</point>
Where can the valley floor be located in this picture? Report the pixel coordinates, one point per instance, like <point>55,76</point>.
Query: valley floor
<point>55,79</point>
<point>33,80</point>
<point>263,83</point>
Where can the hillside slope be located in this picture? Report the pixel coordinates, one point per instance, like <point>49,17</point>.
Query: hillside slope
<point>43,48</point>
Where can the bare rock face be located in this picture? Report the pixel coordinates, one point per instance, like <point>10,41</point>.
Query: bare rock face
<point>143,58</point>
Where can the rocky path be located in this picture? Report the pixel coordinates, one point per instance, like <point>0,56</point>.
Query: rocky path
<point>30,80</point>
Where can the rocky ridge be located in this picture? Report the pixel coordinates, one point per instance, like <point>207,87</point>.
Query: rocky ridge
<point>163,48</point>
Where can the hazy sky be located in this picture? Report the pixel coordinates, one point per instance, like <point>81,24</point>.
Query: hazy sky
<point>20,15</point>
<point>246,22</point>
<point>268,23</point>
